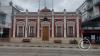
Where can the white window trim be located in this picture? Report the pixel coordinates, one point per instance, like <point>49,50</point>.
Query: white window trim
<point>71,23</point>
<point>59,23</point>
<point>32,23</point>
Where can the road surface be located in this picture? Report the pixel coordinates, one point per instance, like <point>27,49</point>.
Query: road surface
<point>29,51</point>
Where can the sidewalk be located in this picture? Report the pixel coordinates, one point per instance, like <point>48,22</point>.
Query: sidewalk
<point>48,45</point>
<point>51,45</point>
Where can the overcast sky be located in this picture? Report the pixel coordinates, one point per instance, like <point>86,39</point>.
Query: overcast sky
<point>58,5</point>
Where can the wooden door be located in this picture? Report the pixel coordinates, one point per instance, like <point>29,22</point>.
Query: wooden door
<point>45,33</point>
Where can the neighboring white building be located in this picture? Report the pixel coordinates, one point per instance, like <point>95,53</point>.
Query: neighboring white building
<point>6,17</point>
<point>9,10</point>
<point>2,21</point>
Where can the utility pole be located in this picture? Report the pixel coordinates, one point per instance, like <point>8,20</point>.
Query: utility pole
<point>39,5</point>
<point>52,4</point>
<point>45,3</point>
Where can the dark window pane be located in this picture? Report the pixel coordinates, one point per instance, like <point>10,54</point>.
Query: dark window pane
<point>20,31</point>
<point>59,34</point>
<point>31,31</point>
<point>70,31</point>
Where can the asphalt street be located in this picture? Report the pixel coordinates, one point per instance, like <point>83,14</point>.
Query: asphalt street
<point>28,51</point>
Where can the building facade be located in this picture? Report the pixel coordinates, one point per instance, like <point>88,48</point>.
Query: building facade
<point>46,26</point>
<point>91,23</point>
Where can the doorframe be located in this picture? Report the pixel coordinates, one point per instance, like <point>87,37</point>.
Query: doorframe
<point>45,23</point>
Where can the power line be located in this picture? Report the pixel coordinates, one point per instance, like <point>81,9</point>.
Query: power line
<point>39,4</point>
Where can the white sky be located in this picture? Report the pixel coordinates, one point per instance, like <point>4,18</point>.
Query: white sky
<point>59,5</point>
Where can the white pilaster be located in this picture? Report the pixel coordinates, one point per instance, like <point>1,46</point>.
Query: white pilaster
<point>64,23</point>
<point>26,24</point>
<point>38,26</point>
<point>77,20</point>
<point>53,23</point>
<point>26,28</point>
<point>14,24</point>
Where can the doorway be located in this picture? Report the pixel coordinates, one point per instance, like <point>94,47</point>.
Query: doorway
<point>45,32</point>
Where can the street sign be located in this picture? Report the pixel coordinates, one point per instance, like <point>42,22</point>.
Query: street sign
<point>93,37</point>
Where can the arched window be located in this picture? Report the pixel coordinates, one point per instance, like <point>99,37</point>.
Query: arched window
<point>71,29</point>
<point>20,29</point>
<point>32,29</point>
